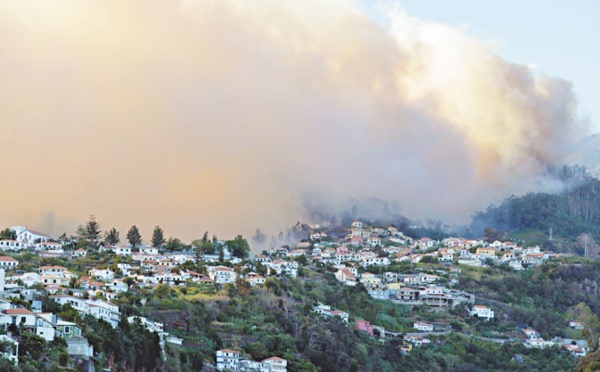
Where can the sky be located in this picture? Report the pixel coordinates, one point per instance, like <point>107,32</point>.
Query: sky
<point>226,116</point>
<point>558,37</point>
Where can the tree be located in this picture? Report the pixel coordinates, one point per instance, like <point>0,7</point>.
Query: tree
<point>112,237</point>
<point>8,234</point>
<point>491,235</point>
<point>129,281</point>
<point>134,237</point>
<point>259,238</point>
<point>174,244</point>
<point>158,237</point>
<point>92,230</point>
<point>238,247</point>
<point>31,345</point>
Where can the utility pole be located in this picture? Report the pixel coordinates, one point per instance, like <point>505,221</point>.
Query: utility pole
<point>550,235</point>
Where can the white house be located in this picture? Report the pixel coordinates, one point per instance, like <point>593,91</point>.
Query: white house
<point>122,250</point>
<point>228,360</point>
<point>146,249</point>
<point>481,311</point>
<point>8,262</point>
<point>276,364</point>
<point>222,274</point>
<point>80,253</point>
<point>417,340</point>
<point>11,245</point>
<point>53,270</point>
<point>102,274</point>
<point>12,352</point>
<point>423,327</point>
<point>30,237</point>
<point>327,312</point>
<point>48,246</point>
<point>346,276</point>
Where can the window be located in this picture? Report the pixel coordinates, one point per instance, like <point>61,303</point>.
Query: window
<point>67,330</point>
<point>23,319</point>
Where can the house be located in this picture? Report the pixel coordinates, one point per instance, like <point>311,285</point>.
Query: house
<point>327,312</point>
<point>11,352</point>
<point>30,237</point>
<point>54,279</point>
<point>533,259</point>
<point>346,276</point>
<point>577,325</point>
<point>417,340</point>
<point>357,240</point>
<point>8,262</point>
<point>146,249</point>
<point>356,225</point>
<point>406,294</point>
<point>102,274</point>
<point>508,256</point>
<point>11,245</point>
<point>255,279</point>
<point>482,311</point>
<point>374,241</point>
<point>275,364</point>
<point>80,253</point>
<point>53,270</point>
<point>228,359</point>
<point>539,343</point>
<point>487,252</point>
<point>18,317</point>
<point>575,350</point>
<point>365,326</point>
<point>49,246</point>
<point>122,250</point>
<point>298,252</point>
<point>104,310</point>
<point>531,334</point>
<point>423,327</point>
<point>222,274</point>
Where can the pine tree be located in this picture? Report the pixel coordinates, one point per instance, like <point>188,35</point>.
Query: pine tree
<point>134,237</point>
<point>92,230</point>
<point>158,237</point>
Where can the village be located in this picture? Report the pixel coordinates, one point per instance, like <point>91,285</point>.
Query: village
<point>360,257</point>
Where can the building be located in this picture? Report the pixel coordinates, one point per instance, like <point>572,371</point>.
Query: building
<point>30,237</point>
<point>12,350</point>
<point>327,312</point>
<point>228,360</point>
<point>8,262</point>
<point>481,311</point>
<point>11,245</point>
<point>423,327</point>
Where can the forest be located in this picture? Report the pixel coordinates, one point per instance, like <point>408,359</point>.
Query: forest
<point>570,212</point>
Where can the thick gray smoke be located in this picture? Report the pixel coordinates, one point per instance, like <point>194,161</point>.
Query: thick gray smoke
<point>224,115</point>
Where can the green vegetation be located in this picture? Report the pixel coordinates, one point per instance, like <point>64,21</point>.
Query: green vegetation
<point>569,213</point>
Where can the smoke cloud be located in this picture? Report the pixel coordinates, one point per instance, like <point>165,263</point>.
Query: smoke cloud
<point>224,115</point>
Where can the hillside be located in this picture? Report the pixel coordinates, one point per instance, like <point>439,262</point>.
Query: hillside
<point>531,217</point>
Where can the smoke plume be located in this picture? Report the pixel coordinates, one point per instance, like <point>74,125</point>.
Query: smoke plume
<point>223,115</point>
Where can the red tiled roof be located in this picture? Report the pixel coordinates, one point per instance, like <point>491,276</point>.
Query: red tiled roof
<point>17,312</point>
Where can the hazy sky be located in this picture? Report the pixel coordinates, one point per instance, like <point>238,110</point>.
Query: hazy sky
<point>559,37</point>
<point>229,115</point>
